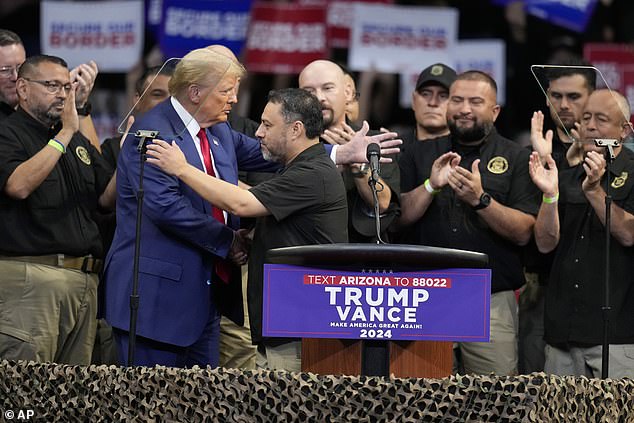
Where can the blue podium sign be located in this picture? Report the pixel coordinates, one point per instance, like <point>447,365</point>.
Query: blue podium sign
<point>440,305</point>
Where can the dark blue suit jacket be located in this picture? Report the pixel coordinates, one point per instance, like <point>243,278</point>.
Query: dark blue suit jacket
<point>179,236</point>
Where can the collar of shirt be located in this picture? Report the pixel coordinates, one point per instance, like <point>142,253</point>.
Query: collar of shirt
<point>193,127</point>
<point>190,123</point>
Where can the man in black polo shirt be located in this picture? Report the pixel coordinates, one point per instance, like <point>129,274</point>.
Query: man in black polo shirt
<point>304,204</point>
<point>572,218</point>
<point>570,83</point>
<point>51,178</point>
<point>326,80</point>
<point>471,190</point>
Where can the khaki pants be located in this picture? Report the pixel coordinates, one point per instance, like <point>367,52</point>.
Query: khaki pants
<point>236,349</point>
<point>47,314</point>
<point>587,361</point>
<point>286,356</point>
<point>498,356</point>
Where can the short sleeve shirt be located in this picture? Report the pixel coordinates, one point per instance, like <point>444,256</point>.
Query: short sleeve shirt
<point>307,202</point>
<point>450,223</point>
<point>575,290</point>
<point>56,217</point>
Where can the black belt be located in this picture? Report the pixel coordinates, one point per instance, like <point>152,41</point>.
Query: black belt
<point>87,264</point>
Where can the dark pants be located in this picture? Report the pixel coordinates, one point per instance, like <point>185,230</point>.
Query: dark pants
<point>148,352</point>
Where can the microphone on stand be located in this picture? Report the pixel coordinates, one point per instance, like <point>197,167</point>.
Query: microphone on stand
<point>374,155</point>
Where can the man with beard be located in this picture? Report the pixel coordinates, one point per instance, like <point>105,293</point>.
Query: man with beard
<point>570,83</point>
<point>572,219</point>
<point>326,80</point>
<point>12,55</point>
<point>476,195</point>
<point>304,204</point>
<point>52,178</point>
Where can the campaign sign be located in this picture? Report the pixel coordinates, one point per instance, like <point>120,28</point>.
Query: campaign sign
<point>439,305</point>
<point>111,33</point>
<point>192,24</point>
<point>283,38</point>
<point>388,38</point>
<point>571,14</point>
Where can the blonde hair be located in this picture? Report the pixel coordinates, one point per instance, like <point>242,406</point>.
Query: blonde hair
<point>203,66</point>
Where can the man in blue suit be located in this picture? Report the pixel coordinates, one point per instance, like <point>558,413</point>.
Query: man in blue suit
<point>184,240</point>
<point>181,238</point>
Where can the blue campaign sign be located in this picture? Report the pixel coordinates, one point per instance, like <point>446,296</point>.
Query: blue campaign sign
<point>191,24</point>
<point>440,305</point>
<point>571,14</point>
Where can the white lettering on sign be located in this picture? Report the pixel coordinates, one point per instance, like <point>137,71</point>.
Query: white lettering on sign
<point>287,37</point>
<point>188,23</point>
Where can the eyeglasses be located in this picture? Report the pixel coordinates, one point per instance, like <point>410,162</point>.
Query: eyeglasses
<point>53,87</point>
<point>8,71</point>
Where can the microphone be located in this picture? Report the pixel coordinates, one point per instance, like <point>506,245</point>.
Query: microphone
<point>374,154</point>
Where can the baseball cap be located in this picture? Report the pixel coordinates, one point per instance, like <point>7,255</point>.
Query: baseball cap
<point>439,72</point>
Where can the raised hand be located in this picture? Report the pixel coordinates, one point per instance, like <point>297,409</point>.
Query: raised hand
<point>467,185</point>
<point>338,136</point>
<point>85,76</point>
<point>594,165</point>
<point>355,150</point>
<point>574,155</point>
<point>545,178</point>
<point>441,169</point>
<point>542,144</point>
<point>70,120</point>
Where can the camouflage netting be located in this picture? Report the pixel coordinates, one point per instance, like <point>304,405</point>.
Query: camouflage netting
<point>109,393</point>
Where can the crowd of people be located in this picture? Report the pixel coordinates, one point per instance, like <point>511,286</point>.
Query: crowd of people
<point>219,190</point>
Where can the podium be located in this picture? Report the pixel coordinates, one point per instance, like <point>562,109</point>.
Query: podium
<point>432,359</point>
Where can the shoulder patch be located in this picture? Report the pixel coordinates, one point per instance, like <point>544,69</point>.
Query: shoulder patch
<point>83,155</point>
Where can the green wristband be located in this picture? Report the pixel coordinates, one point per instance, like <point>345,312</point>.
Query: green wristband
<point>57,145</point>
<point>550,200</point>
<point>429,188</point>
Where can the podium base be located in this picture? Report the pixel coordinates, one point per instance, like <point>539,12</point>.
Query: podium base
<point>429,359</point>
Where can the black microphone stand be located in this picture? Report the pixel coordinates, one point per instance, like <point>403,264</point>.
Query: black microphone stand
<point>377,213</point>
<point>610,144</point>
<point>144,137</point>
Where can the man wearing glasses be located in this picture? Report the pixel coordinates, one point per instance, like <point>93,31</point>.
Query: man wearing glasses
<point>52,179</point>
<point>12,55</point>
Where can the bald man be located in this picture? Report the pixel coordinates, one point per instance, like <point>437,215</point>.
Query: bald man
<point>327,81</point>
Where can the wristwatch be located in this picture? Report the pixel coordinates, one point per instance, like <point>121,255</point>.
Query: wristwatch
<point>485,201</point>
<point>85,109</point>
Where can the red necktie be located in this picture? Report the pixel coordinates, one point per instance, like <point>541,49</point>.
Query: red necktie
<point>222,267</point>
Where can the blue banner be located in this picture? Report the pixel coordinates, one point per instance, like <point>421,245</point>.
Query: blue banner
<point>191,24</point>
<point>571,14</point>
<point>440,305</point>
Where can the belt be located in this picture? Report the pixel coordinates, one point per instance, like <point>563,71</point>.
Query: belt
<point>87,264</point>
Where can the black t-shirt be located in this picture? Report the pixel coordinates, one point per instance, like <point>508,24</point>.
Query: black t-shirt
<point>110,149</point>
<point>56,216</point>
<point>5,111</point>
<point>450,223</point>
<point>575,290</point>
<point>307,202</point>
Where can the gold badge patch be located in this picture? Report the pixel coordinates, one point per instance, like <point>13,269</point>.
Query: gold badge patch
<point>498,165</point>
<point>83,155</point>
<point>436,70</point>
<point>619,181</point>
